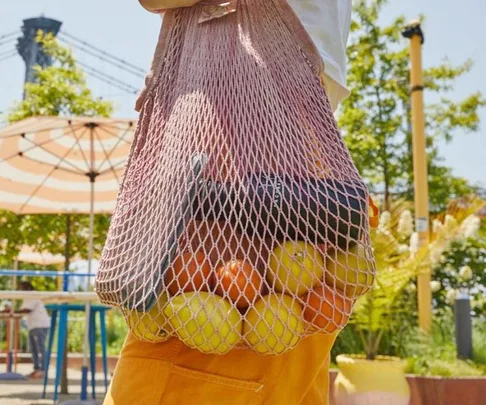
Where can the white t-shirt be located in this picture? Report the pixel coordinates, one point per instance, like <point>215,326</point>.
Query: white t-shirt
<point>38,316</point>
<point>328,23</point>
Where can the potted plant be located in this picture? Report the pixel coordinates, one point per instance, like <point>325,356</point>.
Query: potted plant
<point>436,375</point>
<point>371,378</point>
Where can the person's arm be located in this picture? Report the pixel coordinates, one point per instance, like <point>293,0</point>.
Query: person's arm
<point>159,6</point>
<point>27,307</point>
<point>8,310</point>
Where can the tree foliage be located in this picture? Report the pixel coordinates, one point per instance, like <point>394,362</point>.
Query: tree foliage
<point>463,267</point>
<point>59,89</point>
<point>375,119</point>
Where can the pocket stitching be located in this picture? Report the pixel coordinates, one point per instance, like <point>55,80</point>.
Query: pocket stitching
<point>254,387</point>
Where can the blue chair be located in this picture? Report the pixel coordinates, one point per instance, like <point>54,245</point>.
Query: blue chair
<point>62,311</point>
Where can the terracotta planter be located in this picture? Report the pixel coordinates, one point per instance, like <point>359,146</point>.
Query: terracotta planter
<point>371,382</point>
<point>447,391</point>
<point>436,390</point>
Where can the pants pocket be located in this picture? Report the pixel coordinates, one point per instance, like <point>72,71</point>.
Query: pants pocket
<point>138,381</point>
<point>186,386</point>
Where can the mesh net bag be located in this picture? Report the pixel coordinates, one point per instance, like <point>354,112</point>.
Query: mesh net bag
<point>241,220</point>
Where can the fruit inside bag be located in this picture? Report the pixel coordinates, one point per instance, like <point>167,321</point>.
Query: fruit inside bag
<point>241,220</point>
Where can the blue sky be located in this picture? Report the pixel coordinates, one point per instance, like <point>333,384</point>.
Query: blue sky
<point>123,28</point>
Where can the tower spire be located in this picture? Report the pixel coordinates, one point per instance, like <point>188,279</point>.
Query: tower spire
<point>29,49</point>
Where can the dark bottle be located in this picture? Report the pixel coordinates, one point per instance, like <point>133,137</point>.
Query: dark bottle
<point>288,208</point>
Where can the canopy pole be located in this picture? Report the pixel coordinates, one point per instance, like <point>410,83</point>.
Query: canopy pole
<point>64,283</point>
<point>92,178</point>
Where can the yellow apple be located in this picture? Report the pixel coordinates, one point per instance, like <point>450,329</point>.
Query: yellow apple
<point>274,324</point>
<point>295,267</point>
<point>151,325</point>
<point>204,321</point>
<point>351,272</point>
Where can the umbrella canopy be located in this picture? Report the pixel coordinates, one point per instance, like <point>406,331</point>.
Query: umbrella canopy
<point>28,255</point>
<point>48,163</point>
<point>64,165</point>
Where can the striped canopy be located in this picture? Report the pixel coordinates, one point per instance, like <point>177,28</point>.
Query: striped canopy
<point>28,255</point>
<point>47,164</point>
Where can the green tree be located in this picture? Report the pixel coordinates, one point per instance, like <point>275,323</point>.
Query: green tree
<point>375,119</point>
<point>462,267</point>
<point>59,89</point>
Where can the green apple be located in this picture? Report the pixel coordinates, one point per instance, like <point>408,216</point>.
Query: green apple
<point>352,272</point>
<point>274,324</point>
<point>205,321</point>
<point>152,325</point>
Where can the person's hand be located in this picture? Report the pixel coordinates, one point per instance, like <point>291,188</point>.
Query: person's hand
<point>158,6</point>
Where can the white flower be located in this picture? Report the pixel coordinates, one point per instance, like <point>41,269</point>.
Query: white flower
<point>470,226</point>
<point>402,248</point>
<point>435,255</point>
<point>451,296</point>
<point>405,223</point>
<point>450,222</point>
<point>411,288</point>
<point>435,286</point>
<point>466,273</point>
<point>451,229</point>
<point>414,242</point>
<point>385,219</point>
<point>437,226</point>
<point>472,251</point>
<point>477,302</point>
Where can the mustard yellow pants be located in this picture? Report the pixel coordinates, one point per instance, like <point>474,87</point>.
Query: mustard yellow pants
<point>171,373</point>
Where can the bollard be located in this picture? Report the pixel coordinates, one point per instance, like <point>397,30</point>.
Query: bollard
<point>463,326</point>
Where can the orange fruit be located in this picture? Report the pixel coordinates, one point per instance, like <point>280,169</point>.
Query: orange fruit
<point>240,282</point>
<point>189,272</point>
<point>326,310</point>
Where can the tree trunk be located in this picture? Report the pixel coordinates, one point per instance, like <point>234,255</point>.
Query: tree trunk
<point>386,198</point>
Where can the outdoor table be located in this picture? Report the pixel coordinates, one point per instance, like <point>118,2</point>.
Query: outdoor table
<point>62,311</point>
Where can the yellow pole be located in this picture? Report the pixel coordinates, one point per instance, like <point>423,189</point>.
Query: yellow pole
<point>421,188</point>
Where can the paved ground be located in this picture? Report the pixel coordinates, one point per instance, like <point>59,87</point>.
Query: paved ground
<point>29,392</point>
